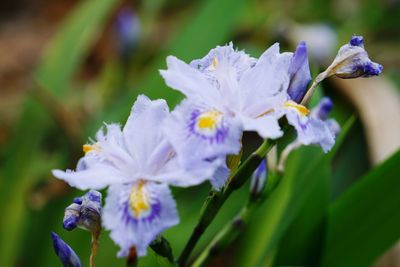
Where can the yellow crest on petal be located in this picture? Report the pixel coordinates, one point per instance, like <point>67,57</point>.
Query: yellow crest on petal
<point>209,120</point>
<point>138,200</point>
<point>87,148</point>
<point>300,108</point>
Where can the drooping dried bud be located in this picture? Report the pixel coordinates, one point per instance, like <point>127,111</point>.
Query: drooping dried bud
<point>352,61</point>
<point>84,213</point>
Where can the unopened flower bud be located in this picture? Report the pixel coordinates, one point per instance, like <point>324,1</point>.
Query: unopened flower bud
<point>352,61</point>
<point>299,73</point>
<point>128,30</point>
<point>64,252</point>
<point>258,178</point>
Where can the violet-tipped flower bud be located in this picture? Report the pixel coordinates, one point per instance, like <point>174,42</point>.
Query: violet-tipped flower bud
<point>84,213</point>
<point>299,73</point>
<point>259,178</point>
<point>64,252</point>
<point>352,61</point>
<point>128,30</point>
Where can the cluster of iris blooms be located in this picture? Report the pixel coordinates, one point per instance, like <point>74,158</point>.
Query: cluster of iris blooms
<point>227,93</point>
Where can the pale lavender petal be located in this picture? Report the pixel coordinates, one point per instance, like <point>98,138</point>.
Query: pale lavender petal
<point>266,126</point>
<point>186,173</point>
<point>311,131</point>
<point>191,82</point>
<point>265,85</point>
<point>238,60</point>
<point>141,132</point>
<point>97,177</point>
<point>220,176</point>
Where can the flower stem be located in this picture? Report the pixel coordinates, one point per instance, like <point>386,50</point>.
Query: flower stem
<point>217,198</point>
<point>313,86</point>
<point>94,247</point>
<point>231,231</point>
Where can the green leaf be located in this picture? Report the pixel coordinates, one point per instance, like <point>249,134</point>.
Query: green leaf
<point>302,241</point>
<point>68,48</point>
<point>305,166</point>
<point>163,262</point>
<point>365,220</point>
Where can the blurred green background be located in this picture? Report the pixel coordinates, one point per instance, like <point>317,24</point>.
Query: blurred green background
<point>66,66</point>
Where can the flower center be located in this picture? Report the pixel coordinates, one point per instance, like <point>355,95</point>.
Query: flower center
<point>138,201</point>
<point>209,120</point>
<point>299,108</point>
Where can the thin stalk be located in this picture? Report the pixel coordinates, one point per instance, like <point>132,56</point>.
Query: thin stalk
<point>231,231</point>
<point>94,247</point>
<point>217,198</point>
<point>313,86</point>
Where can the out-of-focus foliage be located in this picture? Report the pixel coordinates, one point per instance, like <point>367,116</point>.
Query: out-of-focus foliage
<point>329,205</point>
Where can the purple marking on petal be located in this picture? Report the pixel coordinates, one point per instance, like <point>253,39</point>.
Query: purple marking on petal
<point>357,41</point>
<point>372,69</point>
<point>303,126</point>
<point>127,217</point>
<point>324,107</point>
<point>71,222</point>
<point>221,131</point>
<point>77,200</point>
<point>94,196</point>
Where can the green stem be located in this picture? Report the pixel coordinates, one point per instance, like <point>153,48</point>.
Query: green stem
<point>217,198</point>
<point>231,231</point>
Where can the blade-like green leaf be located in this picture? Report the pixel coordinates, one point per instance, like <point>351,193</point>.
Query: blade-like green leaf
<point>67,49</point>
<point>365,220</point>
<point>301,243</point>
<point>275,215</point>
